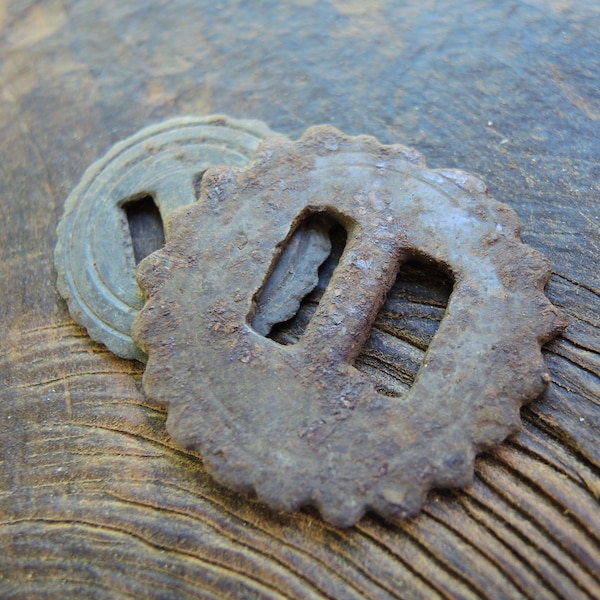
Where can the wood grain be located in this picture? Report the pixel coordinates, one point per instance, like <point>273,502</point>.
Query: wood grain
<point>95,501</point>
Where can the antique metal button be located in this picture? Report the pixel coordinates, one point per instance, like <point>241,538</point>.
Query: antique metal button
<point>95,254</point>
<point>299,424</point>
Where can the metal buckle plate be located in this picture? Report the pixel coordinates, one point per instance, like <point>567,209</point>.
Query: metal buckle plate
<point>300,424</point>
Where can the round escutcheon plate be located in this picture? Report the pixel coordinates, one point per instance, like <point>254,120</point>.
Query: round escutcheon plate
<point>94,255</point>
<point>300,424</point>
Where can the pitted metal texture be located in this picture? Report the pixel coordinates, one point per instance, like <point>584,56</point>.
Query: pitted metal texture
<point>299,424</point>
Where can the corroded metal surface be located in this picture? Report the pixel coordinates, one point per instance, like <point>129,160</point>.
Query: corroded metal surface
<point>94,255</point>
<point>300,424</point>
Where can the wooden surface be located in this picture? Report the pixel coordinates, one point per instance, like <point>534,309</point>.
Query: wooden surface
<point>95,502</point>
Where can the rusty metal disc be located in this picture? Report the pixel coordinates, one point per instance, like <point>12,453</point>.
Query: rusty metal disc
<point>94,255</point>
<point>300,424</point>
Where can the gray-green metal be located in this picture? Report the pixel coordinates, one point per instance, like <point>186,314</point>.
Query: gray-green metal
<point>94,255</point>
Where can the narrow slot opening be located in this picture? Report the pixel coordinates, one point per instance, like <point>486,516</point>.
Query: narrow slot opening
<point>145,226</point>
<point>291,294</point>
<point>197,184</point>
<point>405,325</point>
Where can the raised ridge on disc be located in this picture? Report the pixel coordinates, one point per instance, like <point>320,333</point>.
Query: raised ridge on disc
<point>94,256</point>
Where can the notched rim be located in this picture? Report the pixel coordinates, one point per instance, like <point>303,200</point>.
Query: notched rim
<point>221,380</point>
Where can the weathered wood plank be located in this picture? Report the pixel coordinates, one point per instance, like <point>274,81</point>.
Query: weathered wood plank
<point>95,501</point>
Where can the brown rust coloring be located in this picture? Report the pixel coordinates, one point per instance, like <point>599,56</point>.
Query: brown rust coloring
<point>300,424</point>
